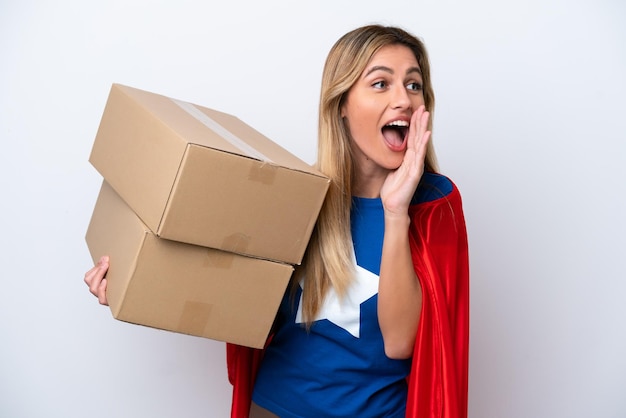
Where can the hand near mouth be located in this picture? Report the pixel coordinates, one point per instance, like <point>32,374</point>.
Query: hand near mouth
<point>400,185</point>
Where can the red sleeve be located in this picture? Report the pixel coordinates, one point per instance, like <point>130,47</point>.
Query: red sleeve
<point>439,373</point>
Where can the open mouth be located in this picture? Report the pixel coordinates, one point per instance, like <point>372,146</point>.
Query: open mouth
<point>395,133</point>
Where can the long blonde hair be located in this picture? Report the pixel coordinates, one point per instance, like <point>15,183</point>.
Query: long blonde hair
<point>328,260</point>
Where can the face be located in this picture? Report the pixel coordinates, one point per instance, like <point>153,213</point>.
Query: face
<point>378,109</point>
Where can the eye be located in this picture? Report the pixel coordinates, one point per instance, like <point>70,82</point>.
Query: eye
<point>380,84</point>
<point>415,86</point>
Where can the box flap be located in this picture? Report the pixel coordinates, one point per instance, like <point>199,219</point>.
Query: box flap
<point>211,128</point>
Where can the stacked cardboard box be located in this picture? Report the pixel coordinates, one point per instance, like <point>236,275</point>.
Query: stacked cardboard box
<point>203,217</point>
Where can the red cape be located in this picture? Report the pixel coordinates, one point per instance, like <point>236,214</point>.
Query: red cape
<point>439,372</point>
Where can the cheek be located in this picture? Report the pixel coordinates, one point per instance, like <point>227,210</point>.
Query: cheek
<point>362,121</point>
<point>418,101</point>
<point>361,130</point>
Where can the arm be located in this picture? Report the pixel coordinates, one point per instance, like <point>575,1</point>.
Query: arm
<point>399,291</point>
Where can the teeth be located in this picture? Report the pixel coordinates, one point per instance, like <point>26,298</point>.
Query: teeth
<point>398,123</point>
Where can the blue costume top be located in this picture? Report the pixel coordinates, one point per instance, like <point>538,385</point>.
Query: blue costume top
<point>340,364</point>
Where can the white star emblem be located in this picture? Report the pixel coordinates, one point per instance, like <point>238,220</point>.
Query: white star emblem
<point>346,312</point>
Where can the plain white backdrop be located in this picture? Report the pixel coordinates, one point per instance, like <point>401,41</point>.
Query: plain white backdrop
<point>530,124</point>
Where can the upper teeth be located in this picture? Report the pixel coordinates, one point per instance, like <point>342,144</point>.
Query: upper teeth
<point>398,123</point>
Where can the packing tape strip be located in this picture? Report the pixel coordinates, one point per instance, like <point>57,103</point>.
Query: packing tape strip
<point>263,173</point>
<point>233,139</point>
<point>236,243</point>
<point>194,318</point>
<point>218,259</point>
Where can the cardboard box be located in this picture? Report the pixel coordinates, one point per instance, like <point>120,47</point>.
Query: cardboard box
<point>204,177</point>
<point>182,287</point>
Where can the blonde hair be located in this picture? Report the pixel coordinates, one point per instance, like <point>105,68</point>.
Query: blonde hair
<point>328,260</point>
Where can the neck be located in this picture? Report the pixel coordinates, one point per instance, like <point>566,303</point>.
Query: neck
<point>368,184</point>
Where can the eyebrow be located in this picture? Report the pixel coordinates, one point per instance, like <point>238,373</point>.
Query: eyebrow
<point>390,71</point>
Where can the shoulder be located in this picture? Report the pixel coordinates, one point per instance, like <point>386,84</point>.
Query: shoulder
<point>433,187</point>
<point>437,211</point>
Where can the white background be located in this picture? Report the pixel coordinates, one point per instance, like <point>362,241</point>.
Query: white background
<point>530,123</point>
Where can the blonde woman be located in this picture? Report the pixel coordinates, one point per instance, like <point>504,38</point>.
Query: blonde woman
<point>376,321</point>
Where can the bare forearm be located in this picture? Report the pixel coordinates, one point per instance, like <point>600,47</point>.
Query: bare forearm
<point>399,291</point>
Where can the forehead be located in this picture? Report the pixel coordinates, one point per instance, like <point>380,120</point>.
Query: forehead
<point>393,56</point>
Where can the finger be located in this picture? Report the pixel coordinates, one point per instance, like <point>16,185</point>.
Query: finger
<point>419,124</point>
<point>89,275</point>
<point>93,273</point>
<point>421,116</point>
<point>424,122</point>
<point>101,292</point>
<point>420,134</point>
<point>422,147</point>
<point>414,128</point>
<point>94,277</point>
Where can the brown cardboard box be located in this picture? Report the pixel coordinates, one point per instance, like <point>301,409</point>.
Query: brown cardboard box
<point>182,287</point>
<point>204,177</point>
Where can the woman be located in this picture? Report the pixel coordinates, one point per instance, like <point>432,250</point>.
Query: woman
<point>375,323</point>
<point>389,335</point>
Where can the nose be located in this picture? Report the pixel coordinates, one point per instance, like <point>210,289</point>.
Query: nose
<point>400,97</point>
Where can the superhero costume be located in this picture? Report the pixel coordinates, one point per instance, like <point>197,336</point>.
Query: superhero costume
<point>437,384</point>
